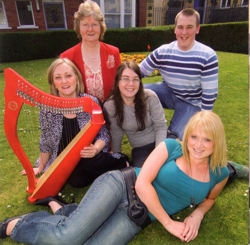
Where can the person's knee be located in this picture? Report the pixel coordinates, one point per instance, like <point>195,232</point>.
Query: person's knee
<point>79,182</point>
<point>148,85</point>
<point>175,133</point>
<point>152,85</point>
<point>138,162</point>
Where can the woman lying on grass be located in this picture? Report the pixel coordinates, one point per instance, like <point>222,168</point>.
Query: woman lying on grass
<point>174,176</point>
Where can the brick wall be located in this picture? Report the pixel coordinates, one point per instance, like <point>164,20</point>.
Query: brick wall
<point>12,17</point>
<point>71,6</point>
<point>142,12</point>
<point>38,16</point>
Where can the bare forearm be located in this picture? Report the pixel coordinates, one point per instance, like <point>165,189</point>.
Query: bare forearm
<point>44,158</point>
<point>203,208</point>
<point>99,145</point>
<point>149,197</point>
<point>207,204</point>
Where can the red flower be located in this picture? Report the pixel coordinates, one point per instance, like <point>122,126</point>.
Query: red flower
<point>148,47</point>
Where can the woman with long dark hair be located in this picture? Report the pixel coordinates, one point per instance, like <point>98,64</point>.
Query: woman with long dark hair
<point>135,112</point>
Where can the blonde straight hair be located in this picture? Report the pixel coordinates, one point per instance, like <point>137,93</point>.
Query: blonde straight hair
<point>212,126</point>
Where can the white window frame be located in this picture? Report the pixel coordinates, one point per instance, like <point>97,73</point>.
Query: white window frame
<point>226,4</point>
<point>25,26</point>
<point>64,14</point>
<point>4,26</point>
<point>122,12</point>
<point>244,5</point>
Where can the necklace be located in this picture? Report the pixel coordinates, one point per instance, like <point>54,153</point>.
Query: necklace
<point>91,57</point>
<point>192,202</point>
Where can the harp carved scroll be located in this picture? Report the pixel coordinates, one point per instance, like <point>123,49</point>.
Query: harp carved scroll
<point>19,91</point>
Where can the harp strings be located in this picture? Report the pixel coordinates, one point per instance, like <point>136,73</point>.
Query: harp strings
<point>19,93</point>
<point>29,130</point>
<point>70,129</point>
<point>62,134</point>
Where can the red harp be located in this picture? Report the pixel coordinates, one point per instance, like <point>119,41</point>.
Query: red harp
<point>17,92</point>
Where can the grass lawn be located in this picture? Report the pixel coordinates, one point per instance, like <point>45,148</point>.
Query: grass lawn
<point>227,221</point>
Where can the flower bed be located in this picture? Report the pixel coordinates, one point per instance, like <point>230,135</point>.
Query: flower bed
<point>138,58</point>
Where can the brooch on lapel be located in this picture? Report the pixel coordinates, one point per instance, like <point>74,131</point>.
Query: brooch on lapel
<point>111,61</point>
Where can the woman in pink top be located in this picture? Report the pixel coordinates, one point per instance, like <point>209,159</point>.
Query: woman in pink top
<point>96,60</point>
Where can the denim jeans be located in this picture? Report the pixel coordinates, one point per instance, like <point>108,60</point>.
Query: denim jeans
<point>100,218</point>
<point>183,110</point>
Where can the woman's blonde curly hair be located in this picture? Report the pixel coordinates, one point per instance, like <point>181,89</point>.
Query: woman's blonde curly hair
<point>86,9</point>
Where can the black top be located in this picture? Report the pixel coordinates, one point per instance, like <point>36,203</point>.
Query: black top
<point>70,130</point>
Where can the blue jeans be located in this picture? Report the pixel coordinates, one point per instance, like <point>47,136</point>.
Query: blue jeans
<point>183,110</point>
<point>100,218</point>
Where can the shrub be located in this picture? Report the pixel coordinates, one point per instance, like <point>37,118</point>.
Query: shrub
<point>22,46</point>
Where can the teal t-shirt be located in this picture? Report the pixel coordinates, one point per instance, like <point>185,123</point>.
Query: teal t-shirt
<point>175,188</point>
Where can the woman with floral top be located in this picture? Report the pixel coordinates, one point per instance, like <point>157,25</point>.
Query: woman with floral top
<point>58,130</point>
<point>96,60</point>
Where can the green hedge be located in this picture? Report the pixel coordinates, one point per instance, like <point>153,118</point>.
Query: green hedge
<point>22,46</point>
<point>227,37</point>
<point>137,39</point>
